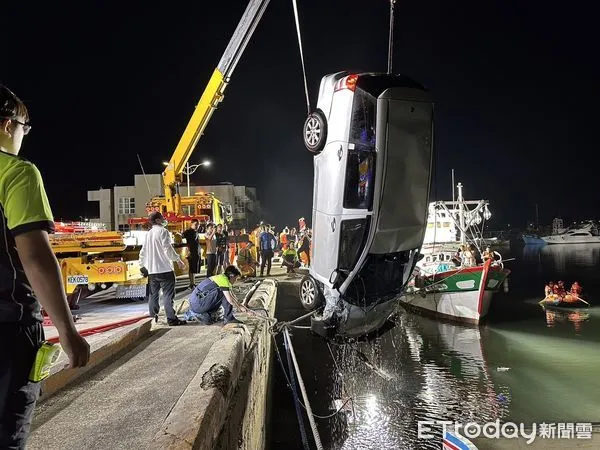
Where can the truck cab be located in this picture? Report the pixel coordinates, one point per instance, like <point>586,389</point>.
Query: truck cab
<point>371,136</point>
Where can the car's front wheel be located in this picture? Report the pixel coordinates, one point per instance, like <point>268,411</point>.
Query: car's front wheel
<point>310,293</point>
<point>315,131</point>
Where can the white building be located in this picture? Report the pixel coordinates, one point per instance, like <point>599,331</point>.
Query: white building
<point>120,203</point>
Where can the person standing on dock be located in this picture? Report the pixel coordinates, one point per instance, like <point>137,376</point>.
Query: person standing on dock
<point>29,273</point>
<point>194,260</point>
<point>156,259</point>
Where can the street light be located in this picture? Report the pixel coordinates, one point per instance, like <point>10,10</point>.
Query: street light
<point>189,170</point>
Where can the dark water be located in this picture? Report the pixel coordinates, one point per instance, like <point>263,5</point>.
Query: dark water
<point>428,369</point>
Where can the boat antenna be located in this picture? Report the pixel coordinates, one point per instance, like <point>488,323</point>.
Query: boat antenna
<point>144,173</point>
<point>453,186</point>
<point>391,40</point>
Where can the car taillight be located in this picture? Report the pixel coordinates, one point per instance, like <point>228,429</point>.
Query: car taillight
<point>348,82</point>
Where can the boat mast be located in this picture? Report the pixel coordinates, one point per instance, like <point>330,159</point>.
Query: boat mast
<point>461,214</point>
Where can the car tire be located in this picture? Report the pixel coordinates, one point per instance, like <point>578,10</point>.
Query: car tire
<point>310,293</point>
<point>315,131</point>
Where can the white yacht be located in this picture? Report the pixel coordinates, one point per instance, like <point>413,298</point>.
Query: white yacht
<point>586,233</point>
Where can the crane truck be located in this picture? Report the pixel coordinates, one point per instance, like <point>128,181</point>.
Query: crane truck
<point>91,260</point>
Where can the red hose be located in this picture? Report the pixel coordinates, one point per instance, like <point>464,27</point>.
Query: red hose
<point>103,328</point>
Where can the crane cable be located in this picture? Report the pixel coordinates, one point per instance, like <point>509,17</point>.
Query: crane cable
<point>295,6</point>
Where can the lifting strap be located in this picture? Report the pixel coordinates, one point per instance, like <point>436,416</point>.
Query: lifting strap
<point>295,5</point>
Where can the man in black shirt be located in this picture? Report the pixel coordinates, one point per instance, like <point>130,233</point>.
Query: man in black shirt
<point>194,260</point>
<point>222,239</point>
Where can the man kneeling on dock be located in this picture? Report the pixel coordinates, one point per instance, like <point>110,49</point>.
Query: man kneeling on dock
<point>213,293</point>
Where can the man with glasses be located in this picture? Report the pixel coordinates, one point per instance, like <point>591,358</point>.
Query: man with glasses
<point>29,273</point>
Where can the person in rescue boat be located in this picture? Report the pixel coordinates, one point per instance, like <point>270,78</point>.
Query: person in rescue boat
<point>156,261</point>
<point>576,289</point>
<point>549,288</point>
<point>215,292</point>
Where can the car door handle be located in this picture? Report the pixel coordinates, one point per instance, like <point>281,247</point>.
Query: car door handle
<point>333,225</point>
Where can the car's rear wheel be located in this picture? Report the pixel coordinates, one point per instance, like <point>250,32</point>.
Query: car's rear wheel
<point>315,131</point>
<point>310,293</point>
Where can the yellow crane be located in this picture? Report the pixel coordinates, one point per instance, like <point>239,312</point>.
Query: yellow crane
<point>204,206</point>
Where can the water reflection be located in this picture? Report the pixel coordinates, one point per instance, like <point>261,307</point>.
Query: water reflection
<point>441,373</point>
<point>564,258</point>
<point>557,316</point>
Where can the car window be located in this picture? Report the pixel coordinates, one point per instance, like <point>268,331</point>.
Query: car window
<point>360,179</point>
<point>362,131</point>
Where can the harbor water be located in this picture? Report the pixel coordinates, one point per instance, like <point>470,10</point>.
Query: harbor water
<point>526,364</point>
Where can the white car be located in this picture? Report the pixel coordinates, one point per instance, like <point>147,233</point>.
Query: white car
<point>371,136</point>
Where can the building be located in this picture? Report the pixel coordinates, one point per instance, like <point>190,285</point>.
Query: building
<point>117,205</point>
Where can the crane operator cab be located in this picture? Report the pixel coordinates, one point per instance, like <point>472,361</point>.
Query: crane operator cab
<point>371,136</point>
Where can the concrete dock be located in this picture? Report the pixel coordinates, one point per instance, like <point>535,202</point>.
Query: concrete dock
<point>160,386</point>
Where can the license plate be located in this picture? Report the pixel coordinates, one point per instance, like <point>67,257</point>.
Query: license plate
<point>77,279</point>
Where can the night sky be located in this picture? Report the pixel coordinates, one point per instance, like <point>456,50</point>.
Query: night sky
<point>515,83</point>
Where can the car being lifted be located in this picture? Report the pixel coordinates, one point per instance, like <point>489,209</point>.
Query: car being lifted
<point>371,136</point>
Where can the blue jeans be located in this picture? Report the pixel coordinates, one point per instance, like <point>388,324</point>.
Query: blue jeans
<point>166,282</point>
<point>208,302</point>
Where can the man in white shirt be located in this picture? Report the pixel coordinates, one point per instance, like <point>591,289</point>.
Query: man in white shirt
<point>156,259</point>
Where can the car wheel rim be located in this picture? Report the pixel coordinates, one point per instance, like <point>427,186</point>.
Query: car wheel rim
<point>312,133</point>
<point>308,293</point>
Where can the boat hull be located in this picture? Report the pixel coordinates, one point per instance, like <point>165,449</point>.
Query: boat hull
<point>458,295</point>
<point>532,240</point>
<point>571,240</point>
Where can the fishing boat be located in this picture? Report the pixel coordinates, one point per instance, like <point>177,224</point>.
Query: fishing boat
<point>449,288</point>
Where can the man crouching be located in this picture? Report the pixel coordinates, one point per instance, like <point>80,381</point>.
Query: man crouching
<point>215,292</point>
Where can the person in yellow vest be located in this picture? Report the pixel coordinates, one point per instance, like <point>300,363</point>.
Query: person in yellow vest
<point>290,258</point>
<point>216,292</point>
<point>245,261</point>
<point>254,239</point>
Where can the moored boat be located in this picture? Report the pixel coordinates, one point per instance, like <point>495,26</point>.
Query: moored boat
<point>449,283</point>
<point>460,294</point>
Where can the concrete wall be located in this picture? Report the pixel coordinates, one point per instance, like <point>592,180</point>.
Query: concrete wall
<point>225,405</point>
<point>245,426</point>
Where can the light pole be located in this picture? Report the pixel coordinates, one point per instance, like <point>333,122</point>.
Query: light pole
<point>189,170</point>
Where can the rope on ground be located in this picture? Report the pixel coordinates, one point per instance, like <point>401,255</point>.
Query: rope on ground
<point>311,419</point>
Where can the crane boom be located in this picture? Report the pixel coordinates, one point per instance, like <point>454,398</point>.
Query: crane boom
<point>211,97</point>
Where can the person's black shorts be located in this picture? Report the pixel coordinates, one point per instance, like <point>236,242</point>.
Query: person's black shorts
<point>195,263</point>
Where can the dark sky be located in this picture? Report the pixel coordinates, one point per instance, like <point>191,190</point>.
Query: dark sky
<point>515,84</point>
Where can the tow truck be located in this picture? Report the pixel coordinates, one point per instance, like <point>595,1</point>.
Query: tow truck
<point>92,259</point>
